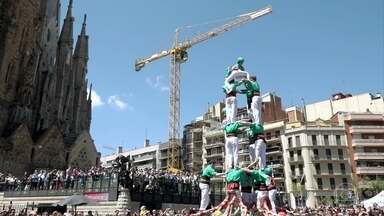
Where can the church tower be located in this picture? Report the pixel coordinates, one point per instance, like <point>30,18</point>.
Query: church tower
<point>80,62</point>
<point>63,65</point>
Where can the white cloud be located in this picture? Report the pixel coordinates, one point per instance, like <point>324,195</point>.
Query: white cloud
<point>96,99</point>
<point>164,88</point>
<point>156,83</point>
<point>119,103</point>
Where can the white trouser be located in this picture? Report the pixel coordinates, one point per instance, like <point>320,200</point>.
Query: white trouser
<point>231,109</point>
<point>257,151</point>
<point>256,107</point>
<point>231,152</point>
<point>272,197</point>
<point>260,196</point>
<point>204,195</point>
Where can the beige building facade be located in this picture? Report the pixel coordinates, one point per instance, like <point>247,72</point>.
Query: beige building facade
<point>365,139</point>
<point>153,156</point>
<point>356,104</point>
<point>316,162</point>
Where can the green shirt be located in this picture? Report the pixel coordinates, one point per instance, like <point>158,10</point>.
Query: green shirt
<point>232,127</point>
<point>259,176</point>
<point>230,87</point>
<point>209,171</point>
<point>255,129</point>
<point>235,175</point>
<point>251,87</point>
<point>246,180</point>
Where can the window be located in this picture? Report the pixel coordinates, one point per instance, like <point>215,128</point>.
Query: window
<point>314,140</point>
<point>342,168</point>
<point>291,154</point>
<point>328,153</point>
<point>48,35</point>
<point>316,154</point>
<point>293,169</point>
<point>345,183</point>
<point>289,142</point>
<point>301,170</point>
<point>338,140</point>
<point>277,134</point>
<point>340,153</point>
<point>208,152</point>
<point>297,140</point>
<point>332,183</point>
<point>319,183</point>
<point>298,153</point>
<point>10,70</point>
<point>318,169</point>
<point>330,168</point>
<point>326,140</point>
<point>268,135</point>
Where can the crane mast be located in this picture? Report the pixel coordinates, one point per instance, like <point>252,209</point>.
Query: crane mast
<point>178,54</point>
<point>174,108</point>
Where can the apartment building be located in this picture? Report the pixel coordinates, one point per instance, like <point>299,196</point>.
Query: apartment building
<point>193,145</point>
<point>365,140</point>
<point>153,156</point>
<point>315,162</point>
<point>344,103</point>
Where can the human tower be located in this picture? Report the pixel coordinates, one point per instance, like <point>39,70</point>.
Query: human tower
<point>248,190</point>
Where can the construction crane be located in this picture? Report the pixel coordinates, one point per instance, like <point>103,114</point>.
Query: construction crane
<point>178,54</point>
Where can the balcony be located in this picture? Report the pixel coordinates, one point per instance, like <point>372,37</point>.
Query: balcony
<point>244,163</point>
<point>273,139</point>
<point>325,158</point>
<point>274,152</point>
<point>367,129</point>
<point>163,156</point>
<point>369,156</point>
<point>364,117</point>
<point>370,170</point>
<point>215,155</point>
<point>244,152</point>
<point>243,141</point>
<point>296,159</point>
<point>368,142</point>
<point>144,158</point>
<point>214,132</point>
<point>275,163</point>
<point>214,145</point>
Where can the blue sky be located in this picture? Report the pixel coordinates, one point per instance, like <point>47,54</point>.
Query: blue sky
<point>304,49</point>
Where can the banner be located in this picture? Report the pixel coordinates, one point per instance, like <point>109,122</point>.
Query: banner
<point>97,196</point>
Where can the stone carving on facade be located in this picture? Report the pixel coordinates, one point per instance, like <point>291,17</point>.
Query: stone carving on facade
<point>41,97</point>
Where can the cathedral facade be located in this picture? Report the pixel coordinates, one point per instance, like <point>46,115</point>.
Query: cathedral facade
<point>45,110</point>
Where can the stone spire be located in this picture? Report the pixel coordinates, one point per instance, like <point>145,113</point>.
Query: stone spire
<point>63,65</point>
<point>90,92</point>
<point>79,67</point>
<point>67,31</point>
<point>89,109</point>
<point>81,50</point>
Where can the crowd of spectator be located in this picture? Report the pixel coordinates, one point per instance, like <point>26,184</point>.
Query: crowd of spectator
<point>356,210</point>
<point>163,181</point>
<point>45,179</point>
<point>147,179</point>
<point>144,180</point>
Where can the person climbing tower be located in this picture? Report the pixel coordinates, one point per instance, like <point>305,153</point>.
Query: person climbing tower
<point>254,100</point>
<point>258,146</point>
